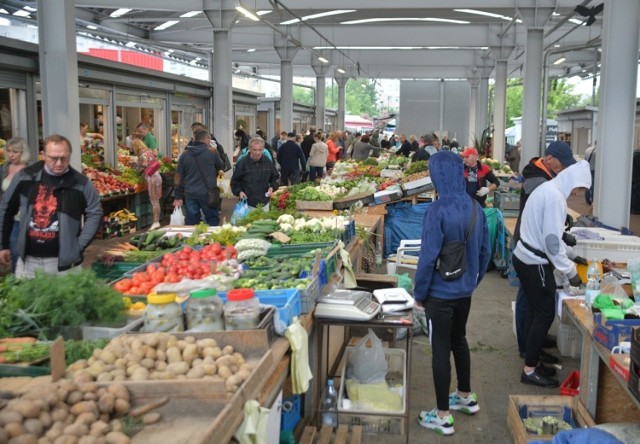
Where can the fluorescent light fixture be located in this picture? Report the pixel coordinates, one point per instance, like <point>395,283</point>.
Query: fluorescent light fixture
<point>130,44</point>
<point>487,14</point>
<point>29,8</point>
<point>91,27</point>
<point>190,14</point>
<point>404,48</point>
<point>3,11</point>
<point>560,60</point>
<point>576,21</point>
<point>119,12</point>
<point>166,25</point>
<point>251,50</point>
<point>248,14</point>
<point>21,13</point>
<point>405,19</point>
<point>341,70</point>
<point>263,12</point>
<point>32,26</point>
<point>323,60</point>
<point>321,14</point>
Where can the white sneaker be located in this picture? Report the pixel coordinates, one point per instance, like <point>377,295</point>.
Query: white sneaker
<point>431,420</point>
<point>468,405</point>
<point>154,226</point>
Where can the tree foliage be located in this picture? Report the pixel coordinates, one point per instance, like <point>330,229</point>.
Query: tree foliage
<point>361,97</point>
<point>560,97</point>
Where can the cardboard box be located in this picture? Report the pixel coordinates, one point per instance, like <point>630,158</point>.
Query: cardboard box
<point>635,344</point>
<point>520,405</point>
<point>634,379</point>
<point>326,205</point>
<point>391,194</point>
<point>611,332</point>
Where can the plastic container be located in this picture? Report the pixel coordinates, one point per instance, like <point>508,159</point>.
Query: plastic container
<point>163,314</point>
<point>204,311</point>
<point>571,385</point>
<point>242,310</point>
<point>287,301</point>
<point>329,405</point>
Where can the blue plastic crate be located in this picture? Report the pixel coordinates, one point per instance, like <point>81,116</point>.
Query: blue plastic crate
<point>286,301</point>
<point>290,417</point>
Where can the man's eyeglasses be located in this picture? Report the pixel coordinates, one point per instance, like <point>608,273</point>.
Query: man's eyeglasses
<point>61,159</point>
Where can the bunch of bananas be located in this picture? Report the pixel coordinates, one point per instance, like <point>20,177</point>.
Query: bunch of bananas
<point>123,216</point>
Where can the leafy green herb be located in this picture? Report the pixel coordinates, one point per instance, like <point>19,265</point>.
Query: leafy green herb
<point>49,301</point>
<point>77,350</point>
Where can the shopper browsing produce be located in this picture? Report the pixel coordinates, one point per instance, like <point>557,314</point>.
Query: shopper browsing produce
<point>538,253</point>
<point>53,199</point>
<point>255,177</point>
<point>447,302</point>
<point>18,157</point>
<point>198,170</point>
<point>150,169</point>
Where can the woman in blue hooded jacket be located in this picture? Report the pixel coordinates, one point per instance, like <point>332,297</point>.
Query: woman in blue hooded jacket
<point>447,302</point>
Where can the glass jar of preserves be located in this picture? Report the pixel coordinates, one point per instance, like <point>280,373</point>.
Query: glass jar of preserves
<point>163,313</point>
<point>204,311</point>
<point>242,310</point>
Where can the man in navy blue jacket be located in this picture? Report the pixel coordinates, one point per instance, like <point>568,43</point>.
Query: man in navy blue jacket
<point>447,302</point>
<point>292,161</point>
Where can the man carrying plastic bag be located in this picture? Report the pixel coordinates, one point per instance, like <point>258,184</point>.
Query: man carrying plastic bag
<point>255,177</point>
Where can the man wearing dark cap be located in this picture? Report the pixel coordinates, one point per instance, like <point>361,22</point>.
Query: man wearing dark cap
<point>292,161</point>
<point>478,176</point>
<point>539,170</point>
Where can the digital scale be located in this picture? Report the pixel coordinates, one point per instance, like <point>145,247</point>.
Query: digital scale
<point>347,304</point>
<point>394,299</point>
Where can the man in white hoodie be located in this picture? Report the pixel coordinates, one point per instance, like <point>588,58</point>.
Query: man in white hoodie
<point>539,251</point>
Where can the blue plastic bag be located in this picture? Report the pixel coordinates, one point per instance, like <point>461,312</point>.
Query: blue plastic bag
<point>240,211</point>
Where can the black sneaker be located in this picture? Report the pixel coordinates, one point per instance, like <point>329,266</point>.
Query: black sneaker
<point>546,371</point>
<point>536,378</point>
<point>548,358</point>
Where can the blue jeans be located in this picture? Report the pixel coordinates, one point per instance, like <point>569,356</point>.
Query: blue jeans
<point>193,216</point>
<point>315,172</point>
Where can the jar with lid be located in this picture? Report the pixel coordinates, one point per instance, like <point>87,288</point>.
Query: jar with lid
<point>163,313</point>
<point>242,310</point>
<point>204,311</point>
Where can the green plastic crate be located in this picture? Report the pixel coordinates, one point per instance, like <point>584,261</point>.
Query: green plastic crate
<point>298,249</point>
<point>113,271</point>
<point>12,370</point>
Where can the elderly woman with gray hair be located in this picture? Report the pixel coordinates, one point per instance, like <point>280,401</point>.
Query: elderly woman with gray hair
<point>16,158</point>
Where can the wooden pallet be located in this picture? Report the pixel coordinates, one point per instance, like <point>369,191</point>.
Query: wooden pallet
<point>326,435</point>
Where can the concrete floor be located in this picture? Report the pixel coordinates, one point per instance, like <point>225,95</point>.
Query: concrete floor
<point>495,363</point>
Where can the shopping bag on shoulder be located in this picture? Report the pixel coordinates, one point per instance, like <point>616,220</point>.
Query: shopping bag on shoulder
<point>240,211</point>
<point>177,218</point>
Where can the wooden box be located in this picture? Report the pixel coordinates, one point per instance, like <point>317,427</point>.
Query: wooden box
<point>326,205</point>
<point>520,435</point>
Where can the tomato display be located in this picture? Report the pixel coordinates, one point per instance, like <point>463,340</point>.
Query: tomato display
<point>173,267</point>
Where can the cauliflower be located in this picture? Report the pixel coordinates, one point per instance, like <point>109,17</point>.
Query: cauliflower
<point>286,227</point>
<point>286,219</point>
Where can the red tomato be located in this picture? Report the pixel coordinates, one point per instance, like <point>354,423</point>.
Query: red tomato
<point>123,285</point>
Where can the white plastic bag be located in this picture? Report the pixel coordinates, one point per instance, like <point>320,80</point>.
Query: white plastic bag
<point>367,364</point>
<point>177,218</point>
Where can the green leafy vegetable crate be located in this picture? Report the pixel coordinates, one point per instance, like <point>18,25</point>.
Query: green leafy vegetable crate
<point>113,271</point>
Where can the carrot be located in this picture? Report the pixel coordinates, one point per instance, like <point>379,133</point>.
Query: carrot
<point>4,348</point>
<point>17,340</point>
<point>3,360</point>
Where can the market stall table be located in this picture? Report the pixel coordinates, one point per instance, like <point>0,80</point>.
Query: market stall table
<point>605,394</point>
<point>328,367</point>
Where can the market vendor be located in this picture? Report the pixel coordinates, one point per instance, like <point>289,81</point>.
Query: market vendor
<point>538,253</point>
<point>478,176</point>
<point>255,177</point>
<point>87,138</point>
<point>53,200</point>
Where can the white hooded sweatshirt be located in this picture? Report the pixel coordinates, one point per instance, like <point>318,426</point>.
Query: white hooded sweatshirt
<point>543,218</point>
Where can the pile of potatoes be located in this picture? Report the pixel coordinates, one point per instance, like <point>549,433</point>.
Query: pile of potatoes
<point>66,413</point>
<point>162,356</point>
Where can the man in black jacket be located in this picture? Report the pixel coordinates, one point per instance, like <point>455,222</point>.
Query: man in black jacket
<point>406,148</point>
<point>292,161</point>
<point>307,142</point>
<point>198,170</point>
<point>255,177</point>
